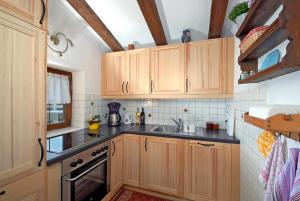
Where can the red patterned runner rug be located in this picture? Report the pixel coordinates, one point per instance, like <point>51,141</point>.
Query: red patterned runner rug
<point>127,195</point>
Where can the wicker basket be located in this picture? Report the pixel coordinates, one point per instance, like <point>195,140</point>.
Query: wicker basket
<point>251,37</point>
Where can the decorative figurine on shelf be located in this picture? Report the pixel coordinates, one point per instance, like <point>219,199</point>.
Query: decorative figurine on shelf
<point>186,36</point>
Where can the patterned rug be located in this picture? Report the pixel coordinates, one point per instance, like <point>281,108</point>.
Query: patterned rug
<point>127,195</point>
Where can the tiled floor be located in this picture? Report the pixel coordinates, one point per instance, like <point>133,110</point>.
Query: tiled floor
<point>127,195</point>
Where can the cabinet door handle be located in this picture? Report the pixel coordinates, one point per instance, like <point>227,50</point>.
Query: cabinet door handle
<point>187,84</point>
<point>151,86</point>
<point>43,12</point>
<point>114,146</point>
<point>207,145</point>
<point>127,86</point>
<point>42,151</point>
<point>123,86</point>
<point>146,142</point>
<point>2,193</point>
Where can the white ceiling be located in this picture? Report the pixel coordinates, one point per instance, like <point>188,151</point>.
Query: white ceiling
<point>126,21</point>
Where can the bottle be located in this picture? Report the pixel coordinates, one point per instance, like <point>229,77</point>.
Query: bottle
<point>138,116</point>
<point>143,117</point>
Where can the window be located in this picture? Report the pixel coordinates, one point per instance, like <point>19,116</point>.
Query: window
<point>59,104</point>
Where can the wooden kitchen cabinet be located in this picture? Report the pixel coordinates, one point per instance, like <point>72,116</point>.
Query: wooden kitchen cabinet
<point>31,11</point>
<point>114,73</point>
<point>137,71</point>
<point>126,73</point>
<point>210,66</point>
<point>167,70</point>
<point>117,151</point>
<point>207,171</point>
<point>160,168</point>
<point>132,160</point>
<point>30,188</point>
<point>22,103</point>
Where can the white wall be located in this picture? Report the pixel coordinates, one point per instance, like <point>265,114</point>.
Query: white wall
<point>84,56</point>
<point>281,90</point>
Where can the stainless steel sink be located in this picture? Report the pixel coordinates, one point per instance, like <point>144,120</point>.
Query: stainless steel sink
<point>166,129</point>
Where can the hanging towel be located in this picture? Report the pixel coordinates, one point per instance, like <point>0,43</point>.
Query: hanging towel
<point>272,169</point>
<point>295,193</point>
<point>285,180</point>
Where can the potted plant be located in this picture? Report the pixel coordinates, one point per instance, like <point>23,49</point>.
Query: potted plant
<point>238,13</point>
<point>94,122</point>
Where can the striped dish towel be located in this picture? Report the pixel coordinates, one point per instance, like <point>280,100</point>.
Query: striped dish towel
<point>285,181</point>
<point>272,169</point>
<point>295,193</point>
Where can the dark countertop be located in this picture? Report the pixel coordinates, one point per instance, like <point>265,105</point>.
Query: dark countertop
<point>106,133</point>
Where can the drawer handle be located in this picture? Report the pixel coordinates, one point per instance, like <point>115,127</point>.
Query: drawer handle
<point>127,86</point>
<point>2,192</point>
<point>42,151</point>
<point>43,13</point>
<point>207,145</point>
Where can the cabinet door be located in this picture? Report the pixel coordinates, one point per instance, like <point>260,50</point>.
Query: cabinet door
<point>167,69</point>
<point>205,67</point>
<point>30,188</point>
<point>160,164</point>
<point>116,179</point>
<point>132,160</point>
<point>22,108</point>
<point>31,11</point>
<point>138,71</point>
<point>207,171</point>
<point>115,73</point>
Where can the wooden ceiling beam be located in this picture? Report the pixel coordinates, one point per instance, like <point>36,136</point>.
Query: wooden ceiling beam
<point>96,23</point>
<point>150,12</point>
<point>217,16</point>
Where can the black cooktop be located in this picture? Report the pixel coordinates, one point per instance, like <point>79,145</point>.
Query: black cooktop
<point>61,143</point>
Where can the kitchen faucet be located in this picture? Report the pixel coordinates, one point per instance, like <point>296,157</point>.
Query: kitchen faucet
<point>178,122</point>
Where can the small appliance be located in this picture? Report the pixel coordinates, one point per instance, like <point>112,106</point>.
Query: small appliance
<point>114,117</point>
<point>128,119</point>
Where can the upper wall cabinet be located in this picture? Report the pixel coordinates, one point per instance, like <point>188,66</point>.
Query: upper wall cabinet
<point>202,69</point>
<point>167,69</point>
<point>126,73</point>
<point>208,70</point>
<point>31,11</point>
<point>114,73</point>
<point>137,71</point>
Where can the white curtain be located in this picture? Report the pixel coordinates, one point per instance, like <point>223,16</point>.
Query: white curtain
<point>58,89</point>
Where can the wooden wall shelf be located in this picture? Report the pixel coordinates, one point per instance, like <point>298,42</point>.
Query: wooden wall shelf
<point>286,26</point>
<point>273,36</point>
<point>258,15</point>
<point>288,125</point>
<point>269,73</point>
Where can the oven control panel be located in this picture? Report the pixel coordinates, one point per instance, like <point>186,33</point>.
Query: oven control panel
<point>82,158</point>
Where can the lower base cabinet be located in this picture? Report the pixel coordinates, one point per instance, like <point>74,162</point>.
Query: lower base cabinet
<point>116,155</point>
<point>160,168</point>
<point>207,171</point>
<point>29,188</point>
<point>189,169</point>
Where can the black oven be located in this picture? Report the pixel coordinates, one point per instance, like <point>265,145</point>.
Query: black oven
<point>87,180</point>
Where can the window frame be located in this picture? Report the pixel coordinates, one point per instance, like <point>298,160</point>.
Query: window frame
<point>67,107</point>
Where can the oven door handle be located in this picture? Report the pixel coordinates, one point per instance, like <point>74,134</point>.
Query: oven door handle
<point>87,171</point>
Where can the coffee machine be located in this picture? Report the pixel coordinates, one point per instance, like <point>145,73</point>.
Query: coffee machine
<point>114,117</point>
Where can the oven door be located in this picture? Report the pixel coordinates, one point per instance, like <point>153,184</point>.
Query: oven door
<point>87,183</point>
